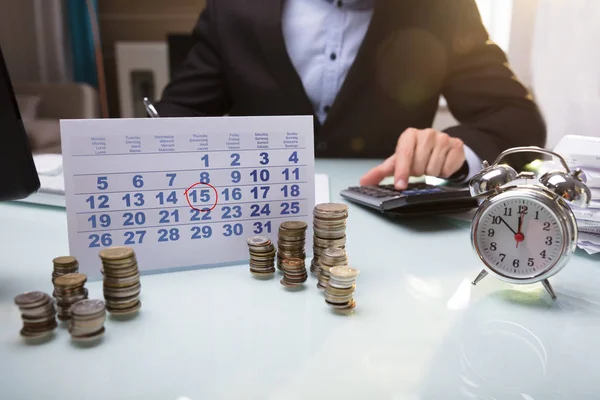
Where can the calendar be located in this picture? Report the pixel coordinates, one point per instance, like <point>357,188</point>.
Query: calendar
<point>184,192</point>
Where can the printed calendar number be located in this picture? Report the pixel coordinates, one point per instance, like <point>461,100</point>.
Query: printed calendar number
<point>294,157</point>
<point>235,229</point>
<point>102,183</point>
<point>290,208</point>
<point>260,192</point>
<point>100,240</point>
<point>98,202</point>
<point>201,197</point>
<point>138,181</point>
<point>204,177</point>
<point>167,217</point>
<point>263,175</point>
<point>201,232</point>
<point>102,220</point>
<point>134,237</point>
<point>170,198</point>
<point>231,212</point>
<point>235,159</point>
<point>235,194</point>
<point>264,158</point>
<point>260,227</point>
<point>137,199</point>
<point>171,178</point>
<point>291,173</point>
<point>198,215</point>
<point>236,176</point>
<point>290,191</point>
<point>138,218</point>
<point>165,235</point>
<point>257,211</point>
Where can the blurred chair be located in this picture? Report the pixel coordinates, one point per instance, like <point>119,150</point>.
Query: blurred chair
<point>566,67</point>
<point>43,105</point>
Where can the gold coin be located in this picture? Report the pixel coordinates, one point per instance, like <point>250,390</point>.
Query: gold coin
<point>64,261</point>
<point>69,280</point>
<point>116,253</point>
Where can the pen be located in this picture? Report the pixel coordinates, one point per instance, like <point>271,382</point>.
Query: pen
<point>150,109</point>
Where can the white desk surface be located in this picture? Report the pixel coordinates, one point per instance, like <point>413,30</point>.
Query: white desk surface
<point>420,330</point>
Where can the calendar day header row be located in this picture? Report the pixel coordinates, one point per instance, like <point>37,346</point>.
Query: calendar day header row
<point>180,135</point>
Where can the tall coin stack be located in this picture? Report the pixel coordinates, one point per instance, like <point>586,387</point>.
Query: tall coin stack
<point>294,272</point>
<point>87,320</point>
<point>38,314</point>
<point>122,285</point>
<point>68,290</point>
<point>329,224</point>
<point>340,288</point>
<point>262,256</point>
<point>331,257</point>
<point>290,241</point>
<point>64,265</point>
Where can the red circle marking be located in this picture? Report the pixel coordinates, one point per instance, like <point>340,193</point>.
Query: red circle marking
<point>204,209</point>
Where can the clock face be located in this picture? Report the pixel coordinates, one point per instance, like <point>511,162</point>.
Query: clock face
<point>519,238</point>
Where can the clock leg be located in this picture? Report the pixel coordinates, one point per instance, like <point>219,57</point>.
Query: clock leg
<point>481,275</point>
<point>548,288</point>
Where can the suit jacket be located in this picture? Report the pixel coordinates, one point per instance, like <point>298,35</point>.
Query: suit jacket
<point>413,52</point>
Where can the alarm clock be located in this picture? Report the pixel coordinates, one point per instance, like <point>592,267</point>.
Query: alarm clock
<point>526,232</point>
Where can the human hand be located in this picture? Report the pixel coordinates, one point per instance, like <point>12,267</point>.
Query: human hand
<point>419,152</point>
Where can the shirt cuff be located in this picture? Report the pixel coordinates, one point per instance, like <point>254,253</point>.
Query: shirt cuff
<point>473,161</point>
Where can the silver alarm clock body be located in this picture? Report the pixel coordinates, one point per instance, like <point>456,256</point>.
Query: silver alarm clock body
<point>522,232</point>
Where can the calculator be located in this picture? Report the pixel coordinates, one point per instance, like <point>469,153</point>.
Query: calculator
<point>418,199</point>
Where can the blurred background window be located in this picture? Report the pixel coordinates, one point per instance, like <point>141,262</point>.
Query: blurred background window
<point>497,17</point>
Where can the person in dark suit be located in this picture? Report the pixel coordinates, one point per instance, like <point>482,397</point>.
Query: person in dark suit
<point>370,71</point>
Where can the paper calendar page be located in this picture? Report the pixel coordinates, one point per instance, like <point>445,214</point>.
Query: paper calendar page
<point>184,192</point>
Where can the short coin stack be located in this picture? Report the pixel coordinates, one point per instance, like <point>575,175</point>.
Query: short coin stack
<point>294,272</point>
<point>68,290</point>
<point>38,314</point>
<point>329,224</point>
<point>122,285</point>
<point>331,257</point>
<point>340,288</point>
<point>64,265</point>
<point>290,241</point>
<point>87,320</point>
<point>262,256</point>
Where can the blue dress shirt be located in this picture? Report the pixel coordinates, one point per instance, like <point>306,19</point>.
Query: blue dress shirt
<point>322,38</point>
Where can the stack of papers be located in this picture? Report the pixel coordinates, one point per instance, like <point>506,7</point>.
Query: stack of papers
<point>584,152</point>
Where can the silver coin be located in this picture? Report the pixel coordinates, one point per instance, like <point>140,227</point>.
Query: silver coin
<point>87,307</point>
<point>258,241</point>
<point>293,225</point>
<point>31,299</point>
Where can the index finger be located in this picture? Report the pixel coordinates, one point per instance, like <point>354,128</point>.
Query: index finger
<point>405,153</point>
<point>377,174</point>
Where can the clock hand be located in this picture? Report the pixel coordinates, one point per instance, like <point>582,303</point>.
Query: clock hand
<point>506,223</point>
<point>519,237</point>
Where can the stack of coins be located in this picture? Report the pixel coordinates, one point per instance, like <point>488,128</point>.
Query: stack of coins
<point>122,285</point>
<point>262,256</point>
<point>294,272</point>
<point>87,320</point>
<point>38,314</point>
<point>331,257</point>
<point>329,230</point>
<point>340,288</point>
<point>64,265</point>
<point>68,290</point>
<point>290,241</point>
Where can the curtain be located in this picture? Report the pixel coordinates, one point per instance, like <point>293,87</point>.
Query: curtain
<point>82,41</point>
